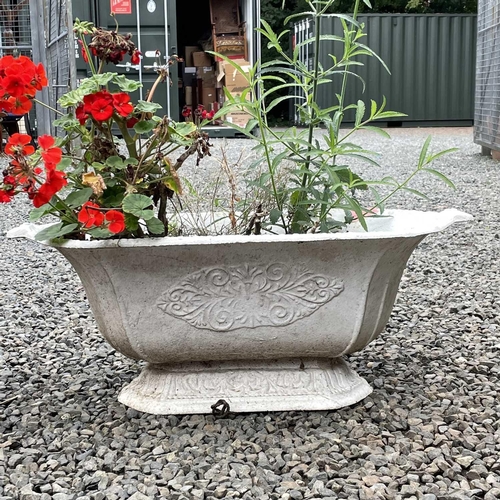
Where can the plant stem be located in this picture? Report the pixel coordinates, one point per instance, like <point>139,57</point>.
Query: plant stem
<point>316,45</point>
<point>89,55</point>
<point>129,141</point>
<point>346,70</point>
<point>48,107</point>
<point>263,127</point>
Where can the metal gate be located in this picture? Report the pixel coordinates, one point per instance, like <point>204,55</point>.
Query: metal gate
<point>487,112</point>
<point>54,44</point>
<point>15,40</point>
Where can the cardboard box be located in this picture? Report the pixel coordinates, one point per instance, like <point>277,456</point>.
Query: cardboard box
<point>235,82</point>
<point>240,118</point>
<point>207,75</point>
<point>201,59</point>
<point>188,95</point>
<point>188,54</point>
<point>208,97</point>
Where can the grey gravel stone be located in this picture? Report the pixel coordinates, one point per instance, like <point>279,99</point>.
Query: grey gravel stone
<point>429,431</point>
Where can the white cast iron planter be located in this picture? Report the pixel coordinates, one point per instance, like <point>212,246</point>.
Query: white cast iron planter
<point>260,321</point>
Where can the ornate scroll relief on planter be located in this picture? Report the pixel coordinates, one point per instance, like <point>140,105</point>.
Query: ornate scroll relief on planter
<point>249,296</point>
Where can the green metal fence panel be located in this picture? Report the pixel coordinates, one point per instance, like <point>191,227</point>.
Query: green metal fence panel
<point>431,59</point>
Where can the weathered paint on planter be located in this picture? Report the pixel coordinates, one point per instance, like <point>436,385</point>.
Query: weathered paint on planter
<point>258,321</point>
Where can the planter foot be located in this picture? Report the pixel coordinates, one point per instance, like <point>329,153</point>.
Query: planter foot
<point>247,386</point>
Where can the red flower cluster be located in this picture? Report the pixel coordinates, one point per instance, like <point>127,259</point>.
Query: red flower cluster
<point>115,56</point>
<point>20,78</point>
<point>91,216</point>
<point>101,106</point>
<point>21,176</point>
<point>111,47</point>
<point>202,113</point>
<point>186,111</point>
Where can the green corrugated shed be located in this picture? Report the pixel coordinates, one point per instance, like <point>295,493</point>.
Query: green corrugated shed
<point>431,58</point>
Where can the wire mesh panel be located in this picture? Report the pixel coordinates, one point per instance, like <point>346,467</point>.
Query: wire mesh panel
<point>59,42</point>
<point>487,101</point>
<point>15,40</point>
<point>15,28</point>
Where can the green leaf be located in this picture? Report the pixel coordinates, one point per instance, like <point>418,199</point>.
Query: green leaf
<point>100,233</point>
<point>377,130</point>
<point>78,198</point>
<point>103,79</point>
<point>55,231</point>
<point>423,152</point>
<point>125,84</point>
<point>441,176</point>
<point>147,107</point>
<point>145,126</point>
<point>274,215</point>
<point>136,204</point>
<point>115,162</point>
<point>439,154</point>
<point>64,164</point>
<point>360,113</point>
<point>415,192</point>
<point>67,122</point>
<point>155,226</point>
<point>38,213</point>
<point>131,222</point>
<point>113,196</point>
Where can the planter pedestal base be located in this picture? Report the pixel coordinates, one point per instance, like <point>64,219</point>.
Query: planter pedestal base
<point>247,386</point>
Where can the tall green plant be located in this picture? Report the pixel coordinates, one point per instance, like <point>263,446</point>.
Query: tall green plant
<point>321,184</point>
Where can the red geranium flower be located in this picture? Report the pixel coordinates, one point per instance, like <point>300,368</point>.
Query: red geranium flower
<point>89,216</point>
<point>51,155</point>
<point>101,110</point>
<point>19,144</point>
<point>15,84</point>
<point>81,115</point>
<point>40,79</point>
<point>5,197</point>
<point>116,221</point>
<point>99,105</point>
<point>90,99</point>
<point>132,121</point>
<point>20,105</point>
<point>122,104</point>
<point>6,62</point>
<point>84,52</point>
<point>9,180</point>
<point>136,57</point>
<point>54,182</point>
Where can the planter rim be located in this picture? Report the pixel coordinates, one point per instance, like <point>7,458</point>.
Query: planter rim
<point>394,224</point>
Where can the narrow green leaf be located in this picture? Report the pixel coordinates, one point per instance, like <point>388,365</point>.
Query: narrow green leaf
<point>377,130</point>
<point>415,192</point>
<point>423,152</point>
<point>360,113</point>
<point>441,176</point>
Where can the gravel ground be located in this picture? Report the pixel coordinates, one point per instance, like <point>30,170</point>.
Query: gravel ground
<point>430,430</point>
